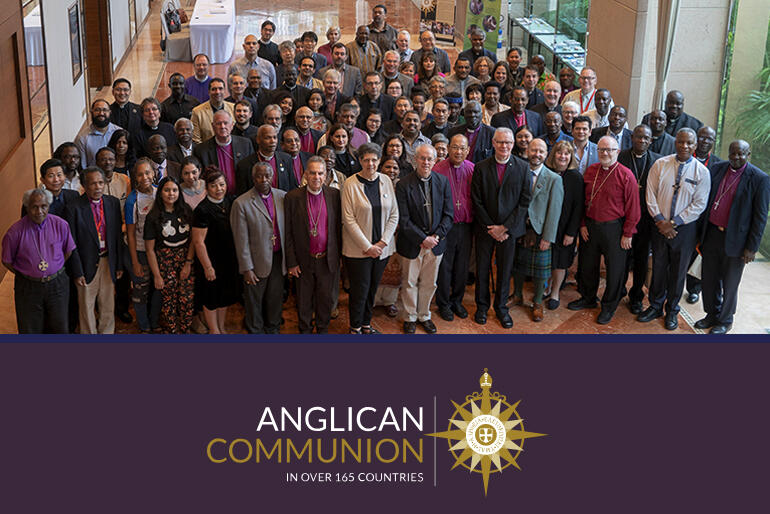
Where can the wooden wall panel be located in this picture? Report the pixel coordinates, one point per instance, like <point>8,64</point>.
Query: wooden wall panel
<point>97,41</point>
<point>17,172</point>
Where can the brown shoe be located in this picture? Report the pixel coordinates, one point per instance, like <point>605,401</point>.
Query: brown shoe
<point>537,312</point>
<point>515,300</point>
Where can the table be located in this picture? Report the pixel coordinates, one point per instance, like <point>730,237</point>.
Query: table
<point>33,38</point>
<point>212,29</point>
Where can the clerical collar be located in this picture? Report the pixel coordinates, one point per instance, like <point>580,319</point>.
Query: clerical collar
<point>265,197</point>
<point>498,161</point>
<point>97,202</point>
<point>640,156</point>
<point>263,41</point>
<point>229,140</point>
<point>315,193</point>
<point>265,157</point>
<point>685,162</point>
<point>425,179</point>
<point>215,201</point>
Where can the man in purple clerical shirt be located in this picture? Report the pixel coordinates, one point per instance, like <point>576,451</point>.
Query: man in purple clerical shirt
<point>453,271</point>
<point>35,249</point>
<point>313,238</point>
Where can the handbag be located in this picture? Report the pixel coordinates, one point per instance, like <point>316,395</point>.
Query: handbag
<point>183,18</point>
<point>173,22</point>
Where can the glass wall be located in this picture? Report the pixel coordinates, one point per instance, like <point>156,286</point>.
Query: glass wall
<point>745,106</point>
<point>37,79</point>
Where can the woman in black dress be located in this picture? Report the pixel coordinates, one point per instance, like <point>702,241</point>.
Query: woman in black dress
<point>562,161</point>
<point>214,246</point>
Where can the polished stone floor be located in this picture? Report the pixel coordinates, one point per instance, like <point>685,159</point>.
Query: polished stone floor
<point>149,74</point>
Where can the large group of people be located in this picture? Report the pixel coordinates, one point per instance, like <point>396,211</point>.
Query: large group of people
<point>388,172</point>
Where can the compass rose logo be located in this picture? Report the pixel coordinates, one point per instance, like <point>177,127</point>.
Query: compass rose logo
<point>487,430</point>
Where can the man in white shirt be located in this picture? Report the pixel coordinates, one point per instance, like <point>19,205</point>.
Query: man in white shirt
<point>677,193</point>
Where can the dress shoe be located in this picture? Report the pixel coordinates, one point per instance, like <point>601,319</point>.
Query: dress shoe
<point>515,300</point>
<point>552,304</point>
<point>693,297</point>
<point>391,311</point>
<point>604,317</point>
<point>649,314</point>
<point>480,318</point>
<point>446,314</point>
<point>580,304</point>
<point>721,328</point>
<point>370,330</point>
<point>410,327</point>
<point>505,320</point>
<point>705,323</point>
<point>460,311</point>
<point>335,313</point>
<point>537,312</point>
<point>428,326</point>
<point>672,321</point>
<point>125,317</point>
<point>635,307</point>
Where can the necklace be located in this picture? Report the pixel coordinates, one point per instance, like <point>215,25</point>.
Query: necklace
<point>313,222</point>
<point>726,189</point>
<point>43,264</point>
<point>455,187</point>
<point>636,172</point>
<point>594,190</point>
<point>427,203</point>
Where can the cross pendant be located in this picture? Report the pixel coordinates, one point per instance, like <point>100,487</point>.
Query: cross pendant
<point>458,204</point>
<point>272,239</point>
<point>716,204</point>
<point>314,233</point>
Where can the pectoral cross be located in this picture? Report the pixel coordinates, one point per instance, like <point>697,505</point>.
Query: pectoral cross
<point>314,232</point>
<point>458,204</point>
<point>43,265</point>
<point>272,239</point>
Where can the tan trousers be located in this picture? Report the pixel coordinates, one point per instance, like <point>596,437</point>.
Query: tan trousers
<point>418,285</point>
<point>101,288</point>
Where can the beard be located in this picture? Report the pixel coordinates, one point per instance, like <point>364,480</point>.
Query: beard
<point>101,122</point>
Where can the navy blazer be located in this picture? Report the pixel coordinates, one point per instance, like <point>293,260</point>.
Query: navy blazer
<point>506,119</point>
<point>412,220</point>
<point>244,180</point>
<point>206,152</point>
<point>599,132</point>
<point>748,212</point>
<point>501,204</point>
<point>483,148</point>
<point>81,222</point>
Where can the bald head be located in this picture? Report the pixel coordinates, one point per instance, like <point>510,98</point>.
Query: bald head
<point>537,151</point>
<point>674,104</point>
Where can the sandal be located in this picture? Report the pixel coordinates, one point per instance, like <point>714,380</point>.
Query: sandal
<point>369,330</point>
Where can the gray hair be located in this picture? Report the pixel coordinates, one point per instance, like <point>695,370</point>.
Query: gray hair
<point>571,104</point>
<point>369,149</point>
<point>506,130</point>
<point>332,73</point>
<point>286,45</point>
<point>439,138</point>
<point>478,32</point>
<point>28,195</point>
<point>222,112</point>
<point>318,160</point>
<point>439,79</point>
<point>429,147</point>
<point>392,52</point>
<point>332,29</point>
<point>181,121</point>
<point>234,74</point>
<point>404,31</point>
<point>687,130</point>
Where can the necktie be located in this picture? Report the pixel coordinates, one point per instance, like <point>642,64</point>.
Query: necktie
<point>672,212</point>
<point>532,179</point>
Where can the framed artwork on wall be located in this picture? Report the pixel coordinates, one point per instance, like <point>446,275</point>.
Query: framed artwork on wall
<point>73,17</point>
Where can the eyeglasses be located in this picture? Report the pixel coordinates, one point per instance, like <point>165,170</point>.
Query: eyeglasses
<point>607,150</point>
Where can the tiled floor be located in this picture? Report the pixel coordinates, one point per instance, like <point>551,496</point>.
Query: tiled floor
<point>149,75</point>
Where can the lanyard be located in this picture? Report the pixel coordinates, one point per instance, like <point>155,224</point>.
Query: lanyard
<point>591,99</point>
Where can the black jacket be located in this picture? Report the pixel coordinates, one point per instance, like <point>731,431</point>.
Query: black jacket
<point>506,119</point>
<point>245,181</point>
<point>483,148</point>
<point>501,204</point>
<point>206,152</point>
<point>599,132</point>
<point>81,221</point>
<point>297,237</point>
<point>412,220</point>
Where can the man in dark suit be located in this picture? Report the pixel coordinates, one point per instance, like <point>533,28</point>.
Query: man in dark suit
<point>297,92</point>
<point>313,241</point>
<point>224,150</point>
<point>373,98</point>
<point>124,113</point>
<point>662,142</point>
<point>290,145</point>
<point>616,128</point>
<point>639,160</point>
<point>424,218</point>
<point>732,230</point>
<point>52,177</point>
<point>551,94</point>
<point>95,222</point>
<point>267,143</point>
<point>479,135</point>
<point>157,148</point>
<point>501,193</point>
<point>676,118</point>
<point>529,83</point>
<point>183,128</point>
<point>351,82</point>
<point>706,138</point>
<point>519,115</point>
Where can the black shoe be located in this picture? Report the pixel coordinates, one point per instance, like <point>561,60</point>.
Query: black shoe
<point>693,297</point>
<point>446,314</point>
<point>552,304</point>
<point>480,318</point>
<point>580,304</point>
<point>672,321</point>
<point>505,320</point>
<point>605,317</point>
<point>635,307</point>
<point>428,325</point>
<point>460,311</point>
<point>722,328</point>
<point>471,279</point>
<point>125,317</point>
<point>410,327</point>
<point>705,323</point>
<point>649,314</point>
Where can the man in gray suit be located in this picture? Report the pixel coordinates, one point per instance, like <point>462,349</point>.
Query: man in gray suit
<point>533,249</point>
<point>257,221</point>
<point>352,83</point>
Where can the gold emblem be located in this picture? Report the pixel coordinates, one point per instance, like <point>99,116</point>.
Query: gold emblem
<point>487,430</point>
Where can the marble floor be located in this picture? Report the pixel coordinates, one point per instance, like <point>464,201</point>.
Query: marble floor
<point>149,75</point>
